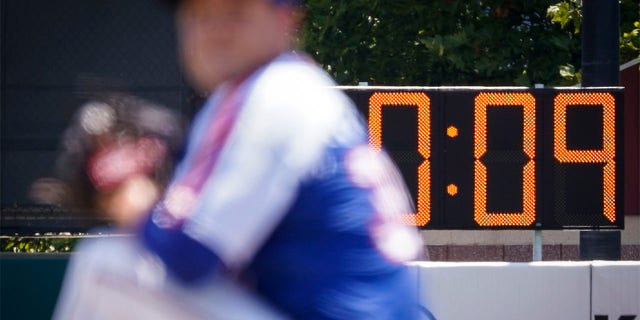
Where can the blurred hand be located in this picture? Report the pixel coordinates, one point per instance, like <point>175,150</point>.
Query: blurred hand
<point>128,204</point>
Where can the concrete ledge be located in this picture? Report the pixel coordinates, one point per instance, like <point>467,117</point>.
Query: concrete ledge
<point>516,253</point>
<point>630,236</point>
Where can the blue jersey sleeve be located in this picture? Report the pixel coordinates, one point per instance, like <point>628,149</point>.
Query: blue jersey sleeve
<point>186,258</point>
<point>277,140</point>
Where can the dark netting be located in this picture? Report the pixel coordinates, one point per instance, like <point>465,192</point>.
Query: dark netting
<point>56,55</point>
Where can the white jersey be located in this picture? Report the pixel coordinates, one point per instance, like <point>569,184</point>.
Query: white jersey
<point>280,186</point>
<point>116,278</point>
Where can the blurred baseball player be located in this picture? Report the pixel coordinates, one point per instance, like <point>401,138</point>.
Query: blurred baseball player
<point>279,186</point>
<point>278,192</point>
<point>116,157</point>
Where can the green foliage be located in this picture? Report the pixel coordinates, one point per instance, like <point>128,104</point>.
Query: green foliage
<point>451,42</point>
<point>629,30</point>
<point>565,13</point>
<point>630,43</point>
<point>568,13</point>
<point>37,244</point>
<point>440,42</point>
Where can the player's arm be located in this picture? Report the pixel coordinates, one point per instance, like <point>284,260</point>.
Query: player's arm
<point>252,186</point>
<point>244,198</point>
<point>186,258</point>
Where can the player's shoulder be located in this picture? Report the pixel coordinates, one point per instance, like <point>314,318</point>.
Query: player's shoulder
<point>297,69</point>
<point>295,80</point>
<point>296,103</point>
<point>294,89</point>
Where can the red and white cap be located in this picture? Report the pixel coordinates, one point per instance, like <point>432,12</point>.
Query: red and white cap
<point>114,163</point>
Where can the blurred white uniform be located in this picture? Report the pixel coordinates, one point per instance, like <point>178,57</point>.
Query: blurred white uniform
<point>115,278</point>
<point>280,186</point>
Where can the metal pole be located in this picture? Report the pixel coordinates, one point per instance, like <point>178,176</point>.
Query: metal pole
<point>600,43</point>
<point>537,234</point>
<point>600,67</point>
<point>537,245</point>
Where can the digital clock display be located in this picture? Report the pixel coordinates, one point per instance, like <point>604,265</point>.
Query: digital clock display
<point>503,158</point>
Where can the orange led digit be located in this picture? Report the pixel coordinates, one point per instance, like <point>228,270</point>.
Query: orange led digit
<point>606,155</point>
<point>422,102</point>
<point>501,99</point>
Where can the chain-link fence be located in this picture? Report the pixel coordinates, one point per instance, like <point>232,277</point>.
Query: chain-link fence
<point>54,55</point>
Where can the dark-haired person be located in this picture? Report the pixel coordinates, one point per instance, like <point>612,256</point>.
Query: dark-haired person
<point>116,157</point>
